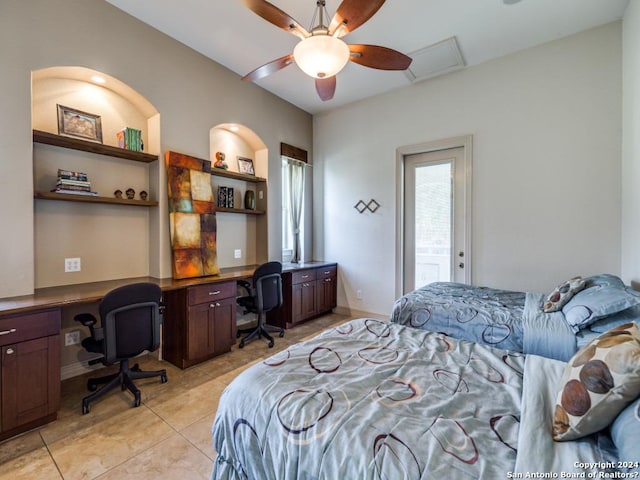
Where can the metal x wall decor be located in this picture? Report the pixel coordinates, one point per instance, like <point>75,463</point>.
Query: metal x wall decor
<point>372,206</point>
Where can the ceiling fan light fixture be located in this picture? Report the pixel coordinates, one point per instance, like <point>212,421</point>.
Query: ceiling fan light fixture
<point>321,56</point>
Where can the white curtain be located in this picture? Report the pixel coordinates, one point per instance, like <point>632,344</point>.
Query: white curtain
<point>296,194</point>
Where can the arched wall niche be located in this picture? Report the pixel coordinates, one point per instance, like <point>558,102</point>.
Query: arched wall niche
<point>113,241</point>
<point>95,92</point>
<point>247,233</point>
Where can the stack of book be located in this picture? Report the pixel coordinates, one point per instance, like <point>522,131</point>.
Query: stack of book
<point>74,183</point>
<point>130,139</point>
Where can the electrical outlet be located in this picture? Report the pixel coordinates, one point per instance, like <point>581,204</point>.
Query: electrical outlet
<point>237,253</point>
<point>72,338</point>
<point>359,294</point>
<point>72,264</point>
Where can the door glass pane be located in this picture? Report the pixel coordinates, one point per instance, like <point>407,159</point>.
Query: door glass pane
<point>433,223</point>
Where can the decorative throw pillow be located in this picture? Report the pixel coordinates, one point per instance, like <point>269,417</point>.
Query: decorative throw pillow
<point>625,433</point>
<point>562,294</point>
<point>601,379</point>
<point>598,301</point>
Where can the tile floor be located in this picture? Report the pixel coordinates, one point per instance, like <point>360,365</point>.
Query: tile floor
<point>168,436</point>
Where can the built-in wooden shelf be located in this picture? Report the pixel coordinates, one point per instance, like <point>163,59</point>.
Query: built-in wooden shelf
<point>93,199</point>
<point>218,172</point>
<point>92,147</point>
<point>239,210</point>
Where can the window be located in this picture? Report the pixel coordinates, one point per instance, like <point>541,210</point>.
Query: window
<point>293,179</point>
<point>287,229</point>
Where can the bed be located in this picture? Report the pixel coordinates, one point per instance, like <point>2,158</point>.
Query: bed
<point>516,321</point>
<point>375,400</point>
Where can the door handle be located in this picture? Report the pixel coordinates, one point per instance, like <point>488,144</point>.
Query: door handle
<point>461,254</point>
<point>461,265</point>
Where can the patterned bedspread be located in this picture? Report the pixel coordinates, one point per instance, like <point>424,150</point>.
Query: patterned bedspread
<point>478,314</point>
<point>372,400</point>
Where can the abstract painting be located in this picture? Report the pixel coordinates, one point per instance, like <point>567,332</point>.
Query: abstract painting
<point>192,216</point>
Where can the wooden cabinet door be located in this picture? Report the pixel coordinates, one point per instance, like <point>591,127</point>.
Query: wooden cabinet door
<point>326,294</point>
<point>224,320</point>
<point>309,304</point>
<point>296,303</point>
<point>304,302</point>
<point>199,331</point>
<point>30,378</point>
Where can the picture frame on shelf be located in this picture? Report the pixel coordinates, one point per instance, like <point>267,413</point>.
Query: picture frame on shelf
<point>245,165</point>
<point>78,124</point>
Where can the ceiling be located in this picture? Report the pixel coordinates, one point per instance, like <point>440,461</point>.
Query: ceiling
<point>229,33</point>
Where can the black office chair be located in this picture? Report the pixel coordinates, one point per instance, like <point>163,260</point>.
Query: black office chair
<point>130,324</point>
<point>265,295</point>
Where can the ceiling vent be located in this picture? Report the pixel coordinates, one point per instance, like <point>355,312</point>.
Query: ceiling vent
<point>437,59</point>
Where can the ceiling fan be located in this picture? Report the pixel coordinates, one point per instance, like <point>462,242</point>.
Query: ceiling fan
<point>321,52</point>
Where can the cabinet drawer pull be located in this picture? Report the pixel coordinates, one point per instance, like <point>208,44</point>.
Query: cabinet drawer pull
<point>327,280</point>
<point>327,272</point>
<point>214,305</point>
<point>9,351</point>
<point>305,276</point>
<point>7,332</point>
<point>217,292</point>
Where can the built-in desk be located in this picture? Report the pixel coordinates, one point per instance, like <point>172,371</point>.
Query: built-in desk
<point>199,323</point>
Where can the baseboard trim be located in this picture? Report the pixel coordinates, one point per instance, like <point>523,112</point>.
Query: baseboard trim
<point>350,312</point>
<point>78,368</point>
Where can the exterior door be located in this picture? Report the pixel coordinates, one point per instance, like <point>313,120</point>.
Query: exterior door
<point>435,218</point>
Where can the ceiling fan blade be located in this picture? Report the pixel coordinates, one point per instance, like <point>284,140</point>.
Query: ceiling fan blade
<point>274,15</point>
<point>269,68</point>
<point>351,14</point>
<point>326,87</point>
<point>382,58</point>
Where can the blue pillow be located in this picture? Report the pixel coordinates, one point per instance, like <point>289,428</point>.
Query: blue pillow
<point>603,295</point>
<point>625,433</point>
<point>603,280</point>
<point>625,316</point>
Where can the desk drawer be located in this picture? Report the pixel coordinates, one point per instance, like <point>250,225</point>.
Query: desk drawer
<point>303,276</point>
<point>327,272</point>
<point>211,291</point>
<point>19,328</point>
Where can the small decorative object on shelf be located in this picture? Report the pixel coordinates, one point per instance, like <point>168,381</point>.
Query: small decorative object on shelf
<point>117,193</point>
<point>220,163</point>
<point>222,196</point>
<point>130,139</point>
<point>73,183</point>
<point>250,200</point>
<point>131,193</point>
<point>79,124</point>
<point>143,195</point>
<point>245,165</point>
<point>230,197</point>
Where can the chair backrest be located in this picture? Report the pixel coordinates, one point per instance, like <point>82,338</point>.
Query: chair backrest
<point>130,318</point>
<point>267,283</point>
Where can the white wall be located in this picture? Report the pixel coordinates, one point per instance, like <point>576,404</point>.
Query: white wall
<point>631,143</point>
<point>546,126</point>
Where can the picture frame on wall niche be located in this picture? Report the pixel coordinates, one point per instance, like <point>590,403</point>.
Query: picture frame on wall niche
<point>78,124</point>
<point>245,165</point>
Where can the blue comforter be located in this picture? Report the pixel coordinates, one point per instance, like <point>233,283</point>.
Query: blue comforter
<point>369,400</point>
<point>499,318</point>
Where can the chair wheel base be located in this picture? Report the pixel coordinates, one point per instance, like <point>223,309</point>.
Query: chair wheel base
<point>281,334</point>
<point>271,344</point>
<point>241,345</point>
